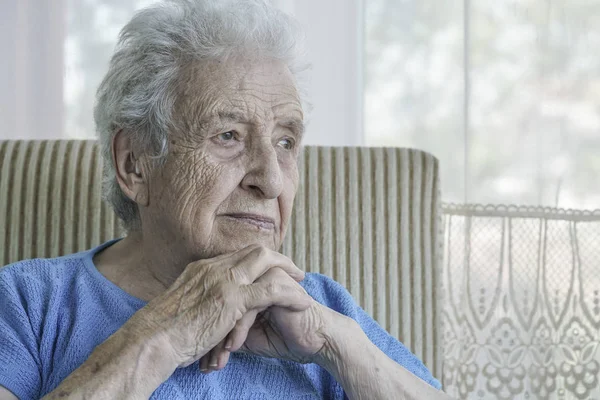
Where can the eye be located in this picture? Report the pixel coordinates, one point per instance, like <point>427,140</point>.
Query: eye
<point>226,136</point>
<point>286,143</point>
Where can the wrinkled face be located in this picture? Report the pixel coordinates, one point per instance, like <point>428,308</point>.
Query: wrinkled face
<point>231,174</point>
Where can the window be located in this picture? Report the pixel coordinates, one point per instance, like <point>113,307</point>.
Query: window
<point>505,92</point>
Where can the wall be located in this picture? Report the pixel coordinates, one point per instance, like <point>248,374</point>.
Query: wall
<point>334,43</point>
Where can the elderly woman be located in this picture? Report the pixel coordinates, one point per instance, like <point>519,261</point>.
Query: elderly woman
<point>200,121</point>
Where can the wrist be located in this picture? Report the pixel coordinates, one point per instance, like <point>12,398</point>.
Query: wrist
<point>150,347</point>
<point>364,371</point>
<point>353,362</point>
<point>126,365</point>
<point>342,334</point>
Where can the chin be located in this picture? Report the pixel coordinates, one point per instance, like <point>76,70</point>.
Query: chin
<point>232,237</point>
<point>231,245</point>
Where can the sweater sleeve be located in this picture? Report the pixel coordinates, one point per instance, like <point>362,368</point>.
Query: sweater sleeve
<point>19,358</point>
<point>333,295</point>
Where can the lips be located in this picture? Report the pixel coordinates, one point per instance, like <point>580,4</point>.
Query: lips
<point>257,220</point>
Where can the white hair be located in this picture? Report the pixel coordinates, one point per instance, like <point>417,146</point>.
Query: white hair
<point>139,90</point>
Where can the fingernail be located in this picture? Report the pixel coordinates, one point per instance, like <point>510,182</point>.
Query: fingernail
<point>229,343</point>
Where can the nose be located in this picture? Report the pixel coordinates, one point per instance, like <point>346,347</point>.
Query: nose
<point>263,176</point>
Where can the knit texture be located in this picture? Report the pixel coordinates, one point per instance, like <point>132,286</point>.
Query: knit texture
<point>54,312</point>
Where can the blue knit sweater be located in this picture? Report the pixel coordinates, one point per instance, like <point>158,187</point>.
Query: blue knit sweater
<point>54,312</point>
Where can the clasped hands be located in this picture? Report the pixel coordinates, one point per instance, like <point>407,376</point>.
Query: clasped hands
<point>249,301</point>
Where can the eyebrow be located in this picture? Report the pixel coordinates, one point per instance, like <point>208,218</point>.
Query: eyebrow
<point>232,116</point>
<point>294,124</point>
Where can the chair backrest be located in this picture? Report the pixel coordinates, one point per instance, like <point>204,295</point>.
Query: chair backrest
<point>368,217</point>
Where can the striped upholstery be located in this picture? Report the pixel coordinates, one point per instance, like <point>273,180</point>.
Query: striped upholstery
<point>368,217</point>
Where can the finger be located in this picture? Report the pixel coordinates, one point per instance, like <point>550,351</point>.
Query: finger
<point>218,356</point>
<point>204,363</point>
<point>239,333</point>
<point>260,260</point>
<point>267,293</point>
<point>214,355</point>
<point>277,275</point>
<point>223,359</point>
<point>229,258</point>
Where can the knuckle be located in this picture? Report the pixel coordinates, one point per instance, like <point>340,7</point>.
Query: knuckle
<point>260,251</point>
<point>271,288</point>
<point>250,246</point>
<point>199,264</point>
<point>224,295</point>
<point>234,274</point>
<point>190,270</point>
<point>200,268</point>
<point>250,249</point>
<point>279,273</point>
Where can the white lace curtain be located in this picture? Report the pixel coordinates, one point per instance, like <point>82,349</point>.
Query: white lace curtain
<point>501,92</point>
<point>521,289</point>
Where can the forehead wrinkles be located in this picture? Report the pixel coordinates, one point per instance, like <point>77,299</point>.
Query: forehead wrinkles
<point>263,104</point>
<point>268,87</point>
<point>272,89</point>
<point>207,88</point>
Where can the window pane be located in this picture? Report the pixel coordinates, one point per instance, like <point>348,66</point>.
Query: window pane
<point>414,86</point>
<point>93,28</point>
<point>534,95</point>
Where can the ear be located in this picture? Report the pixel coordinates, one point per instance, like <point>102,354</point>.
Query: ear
<point>132,174</point>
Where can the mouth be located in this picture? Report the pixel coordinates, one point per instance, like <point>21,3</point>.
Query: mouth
<point>259,221</point>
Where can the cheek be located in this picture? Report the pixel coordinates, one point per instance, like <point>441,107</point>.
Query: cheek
<point>197,187</point>
<point>291,180</point>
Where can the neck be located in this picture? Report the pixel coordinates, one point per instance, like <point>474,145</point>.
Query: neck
<point>142,266</point>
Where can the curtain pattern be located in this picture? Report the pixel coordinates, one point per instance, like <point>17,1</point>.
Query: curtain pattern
<point>521,295</point>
